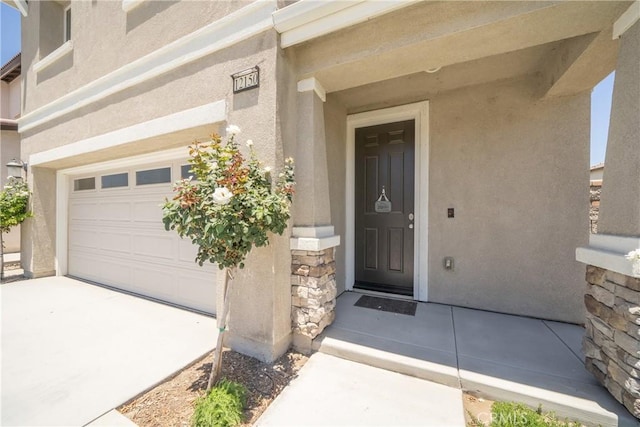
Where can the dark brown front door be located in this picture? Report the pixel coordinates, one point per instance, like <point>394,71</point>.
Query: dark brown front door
<point>384,237</point>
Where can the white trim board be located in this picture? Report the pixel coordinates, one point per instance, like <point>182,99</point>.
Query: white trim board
<point>54,56</point>
<point>20,5</point>
<point>128,5</point>
<point>626,20</point>
<point>308,19</point>
<point>233,28</point>
<point>186,119</point>
<point>608,252</point>
<point>420,113</point>
<point>312,84</point>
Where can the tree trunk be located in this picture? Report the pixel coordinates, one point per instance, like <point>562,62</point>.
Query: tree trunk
<point>1,257</point>
<point>216,367</point>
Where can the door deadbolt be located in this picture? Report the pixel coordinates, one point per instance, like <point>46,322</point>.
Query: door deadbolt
<point>410,217</point>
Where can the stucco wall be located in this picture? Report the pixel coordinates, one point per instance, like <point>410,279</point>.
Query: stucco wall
<point>10,99</point>
<point>14,99</point>
<point>4,100</point>
<point>336,128</point>
<point>9,149</point>
<point>192,85</point>
<point>262,288</point>
<point>516,171</point>
<point>50,17</point>
<point>105,38</point>
<point>620,209</point>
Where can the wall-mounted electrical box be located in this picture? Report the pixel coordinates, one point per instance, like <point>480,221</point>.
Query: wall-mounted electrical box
<point>448,263</point>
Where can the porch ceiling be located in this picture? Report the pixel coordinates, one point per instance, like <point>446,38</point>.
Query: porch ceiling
<point>421,85</point>
<point>442,34</point>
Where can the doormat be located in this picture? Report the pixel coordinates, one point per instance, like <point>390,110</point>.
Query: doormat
<point>390,305</point>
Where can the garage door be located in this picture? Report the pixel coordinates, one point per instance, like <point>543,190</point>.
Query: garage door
<point>116,237</point>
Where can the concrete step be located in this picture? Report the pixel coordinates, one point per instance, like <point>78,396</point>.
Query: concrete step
<point>586,402</point>
<point>394,356</point>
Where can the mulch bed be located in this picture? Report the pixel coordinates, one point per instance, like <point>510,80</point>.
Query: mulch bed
<point>171,403</point>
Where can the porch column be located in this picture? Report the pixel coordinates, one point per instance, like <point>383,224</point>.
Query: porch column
<point>38,242</point>
<point>313,241</point>
<point>612,340</point>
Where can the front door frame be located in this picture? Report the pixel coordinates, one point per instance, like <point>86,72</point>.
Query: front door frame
<point>419,112</point>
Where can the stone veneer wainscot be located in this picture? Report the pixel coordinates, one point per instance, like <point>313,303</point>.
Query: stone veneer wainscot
<point>313,294</point>
<point>612,340</point>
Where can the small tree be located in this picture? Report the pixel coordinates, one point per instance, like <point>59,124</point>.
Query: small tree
<point>14,209</point>
<point>230,206</point>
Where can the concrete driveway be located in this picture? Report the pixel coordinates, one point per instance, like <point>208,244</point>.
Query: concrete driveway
<point>72,351</point>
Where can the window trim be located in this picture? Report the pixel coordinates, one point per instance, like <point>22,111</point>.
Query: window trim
<point>154,168</point>
<point>81,178</point>
<point>66,24</point>
<point>128,5</point>
<point>119,187</point>
<point>53,56</point>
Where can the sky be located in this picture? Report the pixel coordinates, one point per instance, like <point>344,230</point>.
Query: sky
<point>600,97</point>
<point>9,33</point>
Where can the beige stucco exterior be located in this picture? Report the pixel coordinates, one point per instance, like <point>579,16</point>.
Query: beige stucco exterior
<point>515,229</point>
<point>620,211</point>
<point>193,85</point>
<point>9,149</point>
<point>508,134</point>
<point>10,102</point>
<point>10,109</point>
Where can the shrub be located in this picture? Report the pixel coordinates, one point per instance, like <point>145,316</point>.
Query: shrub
<point>509,414</point>
<point>230,204</point>
<point>222,407</point>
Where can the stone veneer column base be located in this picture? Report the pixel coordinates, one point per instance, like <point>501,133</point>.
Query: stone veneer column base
<point>313,294</point>
<point>611,344</point>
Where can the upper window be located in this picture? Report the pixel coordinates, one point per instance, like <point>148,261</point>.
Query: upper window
<point>153,176</point>
<point>84,184</point>
<point>185,171</point>
<point>115,180</point>
<point>67,24</point>
<point>55,26</point>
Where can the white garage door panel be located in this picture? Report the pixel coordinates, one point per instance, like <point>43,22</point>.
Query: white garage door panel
<point>83,239</point>
<point>204,286</point>
<point>80,211</point>
<point>148,211</point>
<point>154,246</point>
<point>117,238</point>
<point>115,211</point>
<point>154,282</point>
<point>104,270</point>
<point>187,251</point>
<point>115,242</point>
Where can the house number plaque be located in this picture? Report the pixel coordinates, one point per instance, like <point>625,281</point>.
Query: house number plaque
<point>246,79</point>
<point>383,205</point>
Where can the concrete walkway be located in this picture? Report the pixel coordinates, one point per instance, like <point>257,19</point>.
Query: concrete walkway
<point>499,356</point>
<point>330,391</point>
<point>72,351</point>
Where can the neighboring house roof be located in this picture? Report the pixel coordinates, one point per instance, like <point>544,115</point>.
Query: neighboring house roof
<point>597,166</point>
<point>11,69</point>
